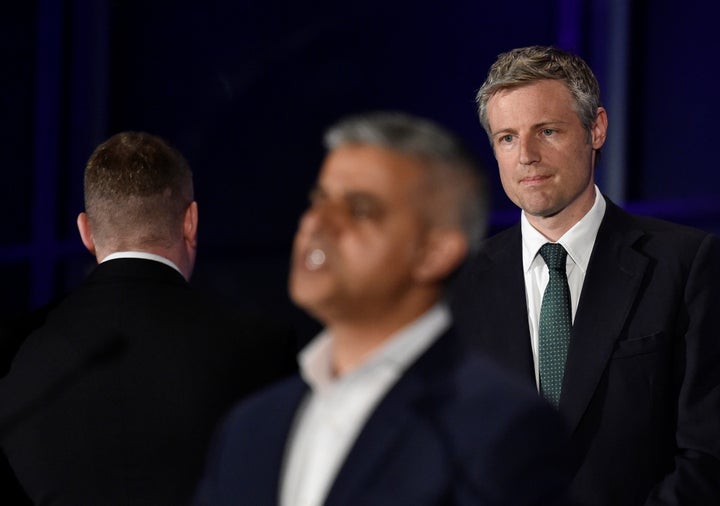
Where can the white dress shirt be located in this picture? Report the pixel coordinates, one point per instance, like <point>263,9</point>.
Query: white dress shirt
<point>143,255</point>
<point>335,410</point>
<point>578,242</point>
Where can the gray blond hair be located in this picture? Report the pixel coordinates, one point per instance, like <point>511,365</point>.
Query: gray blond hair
<point>526,65</point>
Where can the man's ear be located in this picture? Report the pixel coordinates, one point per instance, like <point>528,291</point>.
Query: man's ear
<point>83,224</point>
<point>444,252</point>
<point>190,225</point>
<point>598,131</point>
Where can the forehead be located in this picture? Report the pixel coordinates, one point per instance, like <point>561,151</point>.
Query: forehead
<point>547,99</point>
<point>370,169</point>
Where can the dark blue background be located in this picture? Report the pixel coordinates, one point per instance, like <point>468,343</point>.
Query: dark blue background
<point>245,88</point>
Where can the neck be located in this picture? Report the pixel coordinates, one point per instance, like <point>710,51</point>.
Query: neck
<point>355,339</point>
<point>550,228</point>
<point>553,227</point>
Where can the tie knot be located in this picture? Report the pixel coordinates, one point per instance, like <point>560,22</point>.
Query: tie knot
<point>554,255</point>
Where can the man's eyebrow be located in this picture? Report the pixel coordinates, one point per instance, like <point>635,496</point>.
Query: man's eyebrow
<point>550,122</point>
<point>362,196</point>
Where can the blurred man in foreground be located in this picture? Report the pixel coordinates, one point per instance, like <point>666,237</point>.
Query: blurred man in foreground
<point>388,408</point>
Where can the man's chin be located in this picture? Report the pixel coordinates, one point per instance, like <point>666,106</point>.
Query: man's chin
<point>308,298</point>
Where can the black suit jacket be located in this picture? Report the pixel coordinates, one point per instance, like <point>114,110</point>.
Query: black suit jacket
<point>641,392</point>
<point>13,331</point>
<point>453,430</point>
<point>113,400</point>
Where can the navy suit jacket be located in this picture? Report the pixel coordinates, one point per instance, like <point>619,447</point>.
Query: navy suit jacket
<point>113,400</point>
<point>453,430</point>
<point>641,392</point>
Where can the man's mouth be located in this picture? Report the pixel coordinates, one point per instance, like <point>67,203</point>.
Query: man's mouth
<point>315,259</point>
<point>531,180</point>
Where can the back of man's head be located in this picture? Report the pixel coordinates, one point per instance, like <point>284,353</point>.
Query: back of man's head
<point>137,189</point>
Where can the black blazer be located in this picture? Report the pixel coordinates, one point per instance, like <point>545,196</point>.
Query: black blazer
<point>452,431</point>
<point>641,392</point>
<point>113,400</point>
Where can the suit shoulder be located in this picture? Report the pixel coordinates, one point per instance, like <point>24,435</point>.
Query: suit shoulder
<point>618,218</point>
<point>660,226</point>
<point>676,243</point>
<point>267,401</point>
<point>671,244</point>
<point>502,239</point>
<point>262,415</point>
<point>503,245</point>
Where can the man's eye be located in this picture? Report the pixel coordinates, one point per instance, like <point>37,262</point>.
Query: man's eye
<point>361,211</point>
<point>506,138</point>
<point>547,132</point>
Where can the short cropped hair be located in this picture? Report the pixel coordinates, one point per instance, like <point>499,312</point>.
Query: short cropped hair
<point>137,188</point>
<point>526,65</point>
<point>456,184</point>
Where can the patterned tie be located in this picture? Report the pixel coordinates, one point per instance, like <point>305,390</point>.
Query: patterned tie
<point>555,323</point>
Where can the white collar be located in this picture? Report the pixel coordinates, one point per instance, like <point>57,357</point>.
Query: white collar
<point>398,351</point>
<point>143,255</point>
<point>578,241</point>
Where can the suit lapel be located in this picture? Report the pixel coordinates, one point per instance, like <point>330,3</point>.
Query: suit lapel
<point>611,284</point>
<point>388,423</point>
<point>254,469</point>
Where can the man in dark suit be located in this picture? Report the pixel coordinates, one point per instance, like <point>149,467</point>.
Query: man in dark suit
<point>389,409</point>
<point>640,389</point>
<point>113,399</point>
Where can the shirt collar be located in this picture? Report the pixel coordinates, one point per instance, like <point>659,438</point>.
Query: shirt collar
<point>398,352</point>
<point>143,255</point>
<point>578,241</point>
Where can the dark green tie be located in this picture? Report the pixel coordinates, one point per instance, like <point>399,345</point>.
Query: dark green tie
<point>555,323</point>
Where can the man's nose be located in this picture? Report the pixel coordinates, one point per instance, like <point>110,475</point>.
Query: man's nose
<point>528,150</point>
<point>321,218</point>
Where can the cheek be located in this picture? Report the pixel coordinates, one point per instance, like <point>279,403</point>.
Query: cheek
<point>577,169</point>
<point>506,162</point>
<point>362,255</point>
<point>506,178</point>
<point>382,251</point>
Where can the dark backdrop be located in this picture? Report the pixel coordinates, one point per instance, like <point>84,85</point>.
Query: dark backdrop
<point>245,88</point>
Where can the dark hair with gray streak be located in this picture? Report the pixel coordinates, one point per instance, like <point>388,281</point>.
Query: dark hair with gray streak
<point>457,187</point>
